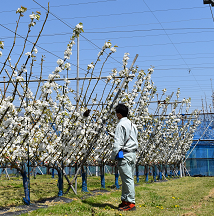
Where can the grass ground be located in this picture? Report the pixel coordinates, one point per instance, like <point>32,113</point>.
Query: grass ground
<point>181,196</point>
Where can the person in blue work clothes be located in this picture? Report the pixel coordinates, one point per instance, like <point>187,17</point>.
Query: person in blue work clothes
<point>125,139</point>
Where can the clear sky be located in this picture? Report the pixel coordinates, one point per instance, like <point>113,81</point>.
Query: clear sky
<point>176,37</point>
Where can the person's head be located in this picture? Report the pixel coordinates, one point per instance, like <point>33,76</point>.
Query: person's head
<point>121,111</point>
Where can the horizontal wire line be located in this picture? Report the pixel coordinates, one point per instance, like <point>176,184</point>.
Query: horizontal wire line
<point>81,3</point>
<point>97,47</point>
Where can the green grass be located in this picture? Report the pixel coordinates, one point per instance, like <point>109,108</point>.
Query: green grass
<point>181,196</point>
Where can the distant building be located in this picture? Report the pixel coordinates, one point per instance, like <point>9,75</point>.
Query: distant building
<point>201,160</point>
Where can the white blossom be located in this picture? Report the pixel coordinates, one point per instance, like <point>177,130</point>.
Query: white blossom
<point>90,66</point>
<point>79,26</point>
<point>60,61</point>
<point>28,53</point>
<point>32,16</point>
<point>19,78</point>
<point>35,50</point>
<point>21,10</point>
<point>1,45</point>
<point>54,108</point>
<point>107,45</point>
<point>113,49</point>
<point>68,66</point>
<point>58,69</point>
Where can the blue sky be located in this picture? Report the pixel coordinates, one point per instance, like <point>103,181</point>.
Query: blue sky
<point>176,37</point>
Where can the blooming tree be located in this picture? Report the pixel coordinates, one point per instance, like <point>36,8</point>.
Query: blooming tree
<point>53,132</point>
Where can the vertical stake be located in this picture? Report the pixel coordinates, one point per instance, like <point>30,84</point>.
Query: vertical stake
<point>63,141</point>
<point>77,97</point>
<point>28,154</point>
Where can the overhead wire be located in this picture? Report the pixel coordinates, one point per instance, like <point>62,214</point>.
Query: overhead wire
<point>173,45</point>
<point>8,91</point>
<point>159,10</point>
<point>72,28</point>
<point>46,49</point>
<point>134,12</point>
<point>36,45</point>
<point>185,58</point>
<point>188,28</point>
<point>165,59</point>
<point>117,31</point>
<point>148,30</point>
<point>125,37</point>
<point>42,48</point>
<point>80,3</point>
<point>145,24</point>
<point>163,44</point>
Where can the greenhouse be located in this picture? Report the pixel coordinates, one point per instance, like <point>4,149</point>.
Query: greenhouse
<point>201,160</point>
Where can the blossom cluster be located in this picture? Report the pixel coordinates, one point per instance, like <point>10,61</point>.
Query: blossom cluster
<point>34,16</point>
<point>57,131</point>
<point>1,47</point>
<point>52,126</point>
<point>21,10</point>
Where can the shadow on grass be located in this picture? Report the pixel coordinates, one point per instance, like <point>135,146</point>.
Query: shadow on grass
<point>100,205</point>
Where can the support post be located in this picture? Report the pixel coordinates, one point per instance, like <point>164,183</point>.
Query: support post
<point>26,199</point>
<point>181,170</point>
<point>178,168</point>
<point>84,180</point>
<point>28,148</point>
<point>160,172</point>
<point>88,170</point>
<point>107,170</point>
<point>171,171</point>
<point>52,172</point>
<point>102,175</point>
<point>116,177</point>
<point>63,146</point>
<point>208,164</point>
<point>77,97</point>
<point>34,172</point>
<point>60,185</point>
<point>6,174</point>
<point>165,168</point>
<point>137,173</point>
<point>154,172</point>
<point>96,171</point>
<point>146,171</point>
<point>69,171</point>
<point>76,178</point>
